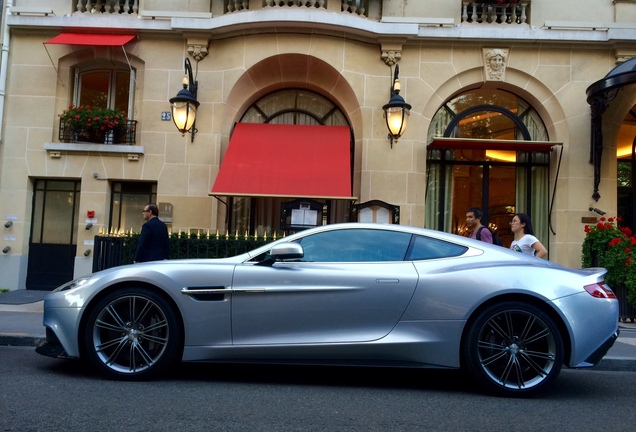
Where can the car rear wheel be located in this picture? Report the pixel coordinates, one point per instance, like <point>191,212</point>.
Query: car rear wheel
<point>132,333</point>
<point>513,349</point>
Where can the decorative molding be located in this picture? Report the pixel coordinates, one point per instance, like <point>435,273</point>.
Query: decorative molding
<point>623,55</point>
<point>198,47</point>
<point>55,150</point>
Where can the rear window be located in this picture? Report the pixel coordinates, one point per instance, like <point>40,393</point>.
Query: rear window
<point>426,248</point>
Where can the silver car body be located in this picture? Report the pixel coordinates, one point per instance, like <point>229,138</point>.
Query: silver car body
<point>409,313</point>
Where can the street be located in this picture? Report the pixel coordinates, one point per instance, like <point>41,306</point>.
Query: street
<point>43,394</point>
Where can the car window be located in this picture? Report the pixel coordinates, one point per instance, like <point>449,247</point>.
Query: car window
<point>355,245</point>
<point>424,248</point>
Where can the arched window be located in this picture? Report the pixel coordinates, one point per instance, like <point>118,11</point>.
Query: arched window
<point>262,215</point>
<point>500,182</point>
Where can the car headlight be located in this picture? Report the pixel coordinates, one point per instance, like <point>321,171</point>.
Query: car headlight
<point>74,284</point>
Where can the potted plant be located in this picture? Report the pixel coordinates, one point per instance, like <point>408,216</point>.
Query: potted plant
<point>93,124</point>
<point>608,245</point>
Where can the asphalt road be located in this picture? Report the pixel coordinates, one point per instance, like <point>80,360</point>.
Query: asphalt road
<point>43,394</point>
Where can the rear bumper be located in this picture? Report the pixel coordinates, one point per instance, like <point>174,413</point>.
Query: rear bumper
<point>594,358</point>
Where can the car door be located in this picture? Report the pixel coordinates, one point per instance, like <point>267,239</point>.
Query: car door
<point>351,286</point>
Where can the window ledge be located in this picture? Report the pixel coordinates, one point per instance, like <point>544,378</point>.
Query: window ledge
<point>55,149</point>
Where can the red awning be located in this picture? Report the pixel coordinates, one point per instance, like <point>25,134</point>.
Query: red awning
<point>476,144</point>
<point>90,39</point>
<point>286,161</point>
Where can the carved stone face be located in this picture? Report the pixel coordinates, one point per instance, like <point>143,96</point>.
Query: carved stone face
<point>497,62</point>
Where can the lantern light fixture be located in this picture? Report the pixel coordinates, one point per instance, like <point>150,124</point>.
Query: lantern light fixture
<point>397,111</point>
<point>185,104</point>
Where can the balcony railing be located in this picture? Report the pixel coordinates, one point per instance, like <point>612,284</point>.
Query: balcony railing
<point>125,135</point>
<point>487,13</point>
<point>107,6</point>
<point>131,7</point>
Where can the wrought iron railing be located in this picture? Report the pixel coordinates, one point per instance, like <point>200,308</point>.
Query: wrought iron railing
<point>112,251</point>
<point>123,135</point>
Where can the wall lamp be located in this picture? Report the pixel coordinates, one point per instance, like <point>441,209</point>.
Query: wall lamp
<point>185,104</point>
<point>397,111</point>
<point>597,211</point>
<point>8,224</point>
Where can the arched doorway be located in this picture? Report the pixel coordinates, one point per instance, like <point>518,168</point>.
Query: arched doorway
<point>485,165</point>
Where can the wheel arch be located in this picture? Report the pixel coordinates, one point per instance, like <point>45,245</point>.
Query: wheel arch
<point>122,285</point>
<point>534,301</point>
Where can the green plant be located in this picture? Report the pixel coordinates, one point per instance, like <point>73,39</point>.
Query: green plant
<point>4,290</point>
<point>613,247</point>
<point>94,118</point>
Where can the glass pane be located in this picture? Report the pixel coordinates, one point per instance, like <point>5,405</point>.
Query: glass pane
<point>38,215</point>
<point>624,173</point>
<point>128,204</point>
<point>428,248</point>
<point>355,245</point>
<point>131,217</point>
<point>241,214</point>
<point>58,214</point>
<point>487,125</point>
<point>122,91</point>
<point>626,209</point>
<point>467,192</point>
<point>501,201</point>
<point>94,88</point>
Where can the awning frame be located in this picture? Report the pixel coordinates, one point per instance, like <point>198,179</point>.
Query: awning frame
<point>89,39</point>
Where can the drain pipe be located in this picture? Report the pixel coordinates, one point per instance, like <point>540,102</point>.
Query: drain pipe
<point>3,64</point>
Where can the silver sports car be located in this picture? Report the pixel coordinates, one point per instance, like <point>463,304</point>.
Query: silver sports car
<point>346,294</point>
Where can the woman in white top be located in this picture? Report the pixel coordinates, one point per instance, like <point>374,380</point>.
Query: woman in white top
<point>524,240</point>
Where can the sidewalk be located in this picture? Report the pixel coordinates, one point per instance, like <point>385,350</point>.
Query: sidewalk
<point>21,325</point>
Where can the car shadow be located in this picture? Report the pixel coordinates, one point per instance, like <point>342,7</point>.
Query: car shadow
<point>333,376</point>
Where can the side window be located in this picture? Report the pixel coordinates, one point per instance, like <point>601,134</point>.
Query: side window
<point>425,248</point>
<point>104,88</point>
<point>355,245</point>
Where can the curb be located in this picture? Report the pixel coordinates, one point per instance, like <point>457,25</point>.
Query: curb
<point>18,340</point>
<point>616,364</point>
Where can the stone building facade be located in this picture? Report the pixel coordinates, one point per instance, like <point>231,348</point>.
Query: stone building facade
<point>500,118</point>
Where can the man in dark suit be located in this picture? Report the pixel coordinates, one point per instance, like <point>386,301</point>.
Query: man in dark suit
<point>153,241</point>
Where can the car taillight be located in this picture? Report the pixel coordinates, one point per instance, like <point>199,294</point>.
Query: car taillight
<point>600,290</point>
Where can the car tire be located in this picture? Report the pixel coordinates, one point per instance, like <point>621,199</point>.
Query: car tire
<point>132,334</point>
<point>513,349</point>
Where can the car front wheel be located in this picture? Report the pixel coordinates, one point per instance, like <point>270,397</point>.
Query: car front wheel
<point>513,349</point>
<point>132,333</point>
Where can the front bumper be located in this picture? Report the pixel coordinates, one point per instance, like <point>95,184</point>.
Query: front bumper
<point>51,346</point>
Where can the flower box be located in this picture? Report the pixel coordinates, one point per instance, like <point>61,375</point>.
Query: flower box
<point>96,125</point>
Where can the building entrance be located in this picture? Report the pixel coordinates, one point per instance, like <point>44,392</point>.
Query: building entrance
<point>53,241</point>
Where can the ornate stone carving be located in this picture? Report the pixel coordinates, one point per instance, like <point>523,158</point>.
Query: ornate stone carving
<point>198,47</point>
<point>391,57</point>
<point>495,62</point>
<point>391,49</point>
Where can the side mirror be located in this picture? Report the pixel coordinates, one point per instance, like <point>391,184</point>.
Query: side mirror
<point>285,251</point>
